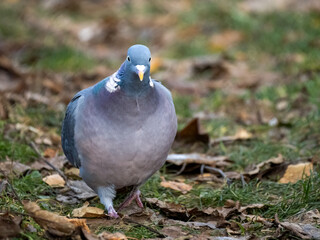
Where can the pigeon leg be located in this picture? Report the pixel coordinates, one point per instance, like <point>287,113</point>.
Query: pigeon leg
<point>138,200</point>
<point>133,195</point>
<point>106,195</point>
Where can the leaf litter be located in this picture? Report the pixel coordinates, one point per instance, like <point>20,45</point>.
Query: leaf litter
<point>196,75</point>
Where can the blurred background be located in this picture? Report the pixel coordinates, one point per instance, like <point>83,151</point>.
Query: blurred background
<point>244,69</point>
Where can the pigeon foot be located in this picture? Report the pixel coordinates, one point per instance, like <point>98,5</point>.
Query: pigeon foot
<point>112,213</point>
<point>135,195</point>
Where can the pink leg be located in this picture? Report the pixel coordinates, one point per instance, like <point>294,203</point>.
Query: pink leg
<point>135,195</point>
<point>112,213</point>
<point>138,200</point>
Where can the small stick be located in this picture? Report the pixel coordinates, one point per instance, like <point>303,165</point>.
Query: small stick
<point>12,188</point>
<point>182,169</point>
<point>36,149</point>
<point>147,227</point>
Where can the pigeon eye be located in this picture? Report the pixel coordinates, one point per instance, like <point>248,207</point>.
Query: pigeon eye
<point>128,58</point>
<point>149,59</point>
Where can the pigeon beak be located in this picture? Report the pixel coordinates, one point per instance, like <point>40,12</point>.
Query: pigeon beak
<point>141,69</point>
<point>141,75</point>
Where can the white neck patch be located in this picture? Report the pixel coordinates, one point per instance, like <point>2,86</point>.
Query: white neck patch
<point>112,83</point>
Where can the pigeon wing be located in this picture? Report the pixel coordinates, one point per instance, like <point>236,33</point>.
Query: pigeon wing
<point>67,135</point>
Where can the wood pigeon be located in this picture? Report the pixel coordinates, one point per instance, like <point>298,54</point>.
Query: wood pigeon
<point>119,131</point>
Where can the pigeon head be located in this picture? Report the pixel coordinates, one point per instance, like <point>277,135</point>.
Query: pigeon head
<point>138,61</point>
<point>134,73</point>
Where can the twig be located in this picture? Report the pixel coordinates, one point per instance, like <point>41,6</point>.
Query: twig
<point>36,149</point>
<point>12,188</point>
<point>147,227</point>
<point>244,183</point>
<point>182,169</point>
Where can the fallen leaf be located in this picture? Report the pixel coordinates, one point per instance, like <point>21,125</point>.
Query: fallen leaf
<point>191,133</point>
<point>54,180</point>
<point>179,159</point>
<point>263,166</point>
<point>73,172</point>
<point>296,172</point>
<point>13,167</point>
<point>112,236</point>
<point>67,199</point>
<point>174,232</point>
<point>241,134</point>
<point>9,226</point>
<point>49,153</point>
<point>52,222</point>
<point>178,186</point>
<point>304,231</point>
<point>82,223</point>
<point>57,161</point>
<point>88,212</point>
<point>81,189</point>
<point>226,39</point>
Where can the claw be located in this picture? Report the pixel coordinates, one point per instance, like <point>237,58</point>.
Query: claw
<point>112,213</point>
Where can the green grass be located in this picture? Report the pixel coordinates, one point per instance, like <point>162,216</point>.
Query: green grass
<point>61,58</point>
<point>12,24</point>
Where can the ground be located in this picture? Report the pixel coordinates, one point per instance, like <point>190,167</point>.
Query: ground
<point>246,73</point>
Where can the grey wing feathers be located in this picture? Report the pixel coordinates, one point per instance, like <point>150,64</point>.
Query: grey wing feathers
<point>67,135</point>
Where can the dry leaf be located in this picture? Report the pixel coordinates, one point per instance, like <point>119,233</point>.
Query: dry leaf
<point>49,153</point>
<point>9,226</point>
<point>191,133</point>
<point>58,162</point>
<point>265,165</point>
<point>13,167</point>
<point>304,231</point>
<point>81,189</point>
<point>54,180</point>
<point>88,212</point>
<point>296,172</point>
<point>73,172</point>
<point>178,186</point>
<point>226,39</point>
<point>52,222</point>
<point>112,236</point>
<point>179,159</point>
<point>82,223</point>
<point>241,134</point>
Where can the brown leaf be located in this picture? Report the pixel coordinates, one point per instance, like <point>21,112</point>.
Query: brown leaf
<point>88,212</point>
<point>52,222</point>
<point>50,153</point>
<point>81,190</point>
<point>54,86</point>
<point>296,172</point>
<point>112,236</point>
<point>174,232</point>
<point>179,159</point>
<point>304,231</point>
<point>57,161</point>
<point>178,186</point>
<point>13,167</point>
<point>241,134</point>
<point>73,173</point>
<point>226,39</point>
<point>263,166</point>
<point>9,226</point>
<point>11,79</point>
<point>54,180</point>
<point>191,133</point>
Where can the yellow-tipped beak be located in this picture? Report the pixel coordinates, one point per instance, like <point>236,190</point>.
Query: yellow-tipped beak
<point>141,73</point>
